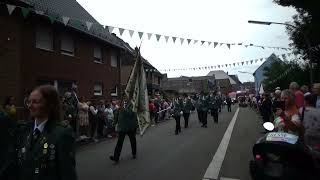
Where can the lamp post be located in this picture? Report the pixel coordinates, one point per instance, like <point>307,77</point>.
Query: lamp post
<point>304,37</point>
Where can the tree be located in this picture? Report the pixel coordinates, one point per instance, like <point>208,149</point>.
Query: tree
<point>281,73</point>
<point>307,23</point>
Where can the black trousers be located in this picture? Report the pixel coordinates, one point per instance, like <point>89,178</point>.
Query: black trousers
<point>93,127</point>
<point>203,117</point>
<point>229,108</point>
<point>215,114</point>
<point>100,123</point>
<point>133,142</point>
<point>186,119</point>
<point>178,126</point>
<point>199,115</point>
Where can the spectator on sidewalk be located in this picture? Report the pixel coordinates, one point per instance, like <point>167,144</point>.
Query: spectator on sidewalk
<point>279,121</point>
<point>10,108</point>
<point>109,120</point>
<point>152,111</point>
<point>266,106</point>
<point>310,117</point>
<point>92,119</point>
<point>292,120</point>
<point>316,91</point>
<point>83,117</point>
<point>100,119</point>
<point>298,95</point>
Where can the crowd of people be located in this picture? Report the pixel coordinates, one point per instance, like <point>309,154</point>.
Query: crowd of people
<point>295,110</point>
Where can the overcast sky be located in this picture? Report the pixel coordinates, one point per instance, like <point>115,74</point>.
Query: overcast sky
<point>208,20</point>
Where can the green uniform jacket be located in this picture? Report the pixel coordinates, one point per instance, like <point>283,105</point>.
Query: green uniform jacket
<point>213,103</point>
<point>203,103</point>
<point>126,119</point>
<point>51,157</point>
<point>188,106</point>
<point>177,108</point>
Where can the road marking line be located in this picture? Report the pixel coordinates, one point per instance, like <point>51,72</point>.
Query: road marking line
<point>216,163</point>
<point>223,178</point>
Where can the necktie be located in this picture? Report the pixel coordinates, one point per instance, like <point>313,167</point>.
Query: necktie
<point>36,134</point>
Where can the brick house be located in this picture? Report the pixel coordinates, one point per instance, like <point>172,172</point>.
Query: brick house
<point>34,51</point>
<point>223,80</point>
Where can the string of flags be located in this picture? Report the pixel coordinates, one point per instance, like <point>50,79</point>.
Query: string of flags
<point>111,29</point>
<point>249,62</point>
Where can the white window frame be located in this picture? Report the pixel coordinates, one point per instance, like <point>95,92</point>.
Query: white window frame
<point>98,91</point>
<point>114,61</point>
<point>44,38</point>
<point>114,93</point>
<point>97,57</point>
<point>65,48</point>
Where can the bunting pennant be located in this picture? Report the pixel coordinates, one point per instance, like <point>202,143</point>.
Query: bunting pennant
<point>240,44</point>
<point>149,36</point>
<point>52,19</point>
<point>25,11</point>
<point>158,36</point>
<point>131,33</point>
<point>234,64</point>
<point>261,59</point>
<point>202,42</point>
<point>189,40</point>
<point>247,62</point>
<point>39,12</point>
<point>238,64</point>
<point>167,38</point>
<point>65,20</point>
<point>110,29</point>
<point>195,41</point>
<point>209,43</point>
<point>121,30</point>
<point>140,34</point>
<point>174,39</point>
<point>215,44</point>
<point>221,44</point>
<point>242,63</point>
<point>226,65</point>
<point>10,8</point>
<point>228,46</point>
<point>251,61</point>
<point>89,25</point>
<point>218,66</point>
<point>181,39</point>
<point>256,60</point>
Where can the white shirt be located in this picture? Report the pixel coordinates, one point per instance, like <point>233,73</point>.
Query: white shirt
<point>39,126</point>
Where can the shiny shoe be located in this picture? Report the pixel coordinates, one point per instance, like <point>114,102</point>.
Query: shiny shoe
<point>112,158</point>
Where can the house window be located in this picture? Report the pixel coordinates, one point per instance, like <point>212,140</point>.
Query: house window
<point>114,91</point>
<point>67,45</point>
<point>97,54</point>
<point>44,38</point>
<point>114,61</point>
<point>97,89</point>
<point>159,79</point>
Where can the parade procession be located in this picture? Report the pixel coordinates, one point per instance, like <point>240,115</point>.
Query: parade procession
<point>170,90</point>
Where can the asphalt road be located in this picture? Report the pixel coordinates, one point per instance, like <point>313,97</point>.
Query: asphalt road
<point>162,155</point>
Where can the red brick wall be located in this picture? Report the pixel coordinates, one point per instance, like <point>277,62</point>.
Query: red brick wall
<point>25,64</point>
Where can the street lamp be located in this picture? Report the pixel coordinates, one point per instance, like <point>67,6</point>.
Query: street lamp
<point>304,36</point>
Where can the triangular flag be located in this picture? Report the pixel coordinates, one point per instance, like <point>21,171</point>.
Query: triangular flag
<point>209,42</point>
<point>189,40</point>
<point>251,61</point>
<point>39,12</point>
<point>89,24</point>
<point>247,62</point>
<point>10,8</point>
<point>211,67</point>
<point>251,44</point>
<point>215,44</point>
<point>228,46</point>
<point>131,33</point>
<point>202,42</point>
<point>77,23</point>
<point>256,60</point>
<point>261,59</point>
<point>25,11</point>
<point>52,19</point>
<point>65,20</point>
<point>167,38</point>
<point>121,30</point>
<point>221,65</point>
<point>174,39</point>
<point>262,47</point>
<point>218,66</point>
<point>238,64</point>
<point>230,65</point>
<point>242,63</point>
<point>234,64</point>
<point>239,44</point>
<point>246,46</point>
<point>221,44</point>
<point>158,37</point>
<point>110,29</point>
<point>195,41</point>
<point>226,65</point>
<point>149,35</point>
<point>181,39</point>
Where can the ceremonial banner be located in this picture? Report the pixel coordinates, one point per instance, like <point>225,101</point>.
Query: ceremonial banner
<point>137,93</point>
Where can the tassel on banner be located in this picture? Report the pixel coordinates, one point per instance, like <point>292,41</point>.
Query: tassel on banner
<point>65,20</point>
<point>121,30</point>
<point>10,8</point>
<point>89,24</point>
<point>215,44</point>
<point>140,34</point>
<point>189,40</point>
<point>167,38</point>
<point>131,32</point>
<point>149,36</point>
